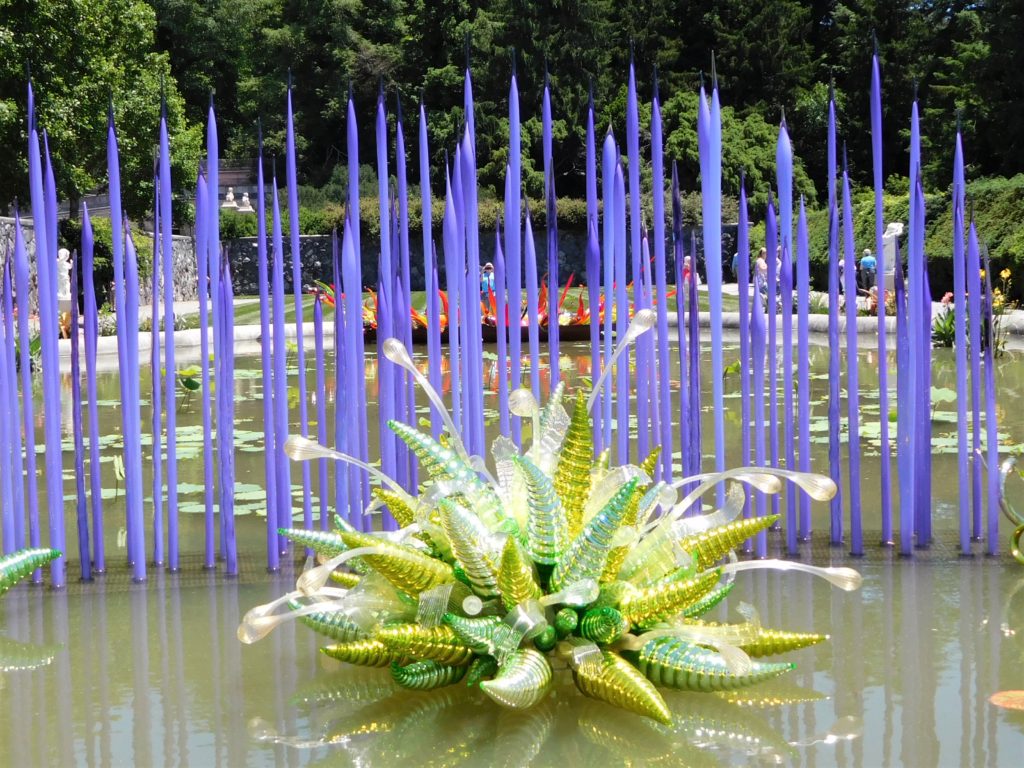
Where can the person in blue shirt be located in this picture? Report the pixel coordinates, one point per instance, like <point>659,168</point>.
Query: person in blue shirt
<point>487,281</point>
<point>868,265</point>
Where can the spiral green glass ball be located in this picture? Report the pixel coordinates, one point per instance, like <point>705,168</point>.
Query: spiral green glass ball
<point>603,625</point>
<point>566,621</point>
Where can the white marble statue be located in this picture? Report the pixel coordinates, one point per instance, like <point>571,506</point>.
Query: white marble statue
<point>229,199</point>
<point>246,205</point>
<point>887,259</point>
<point>63,274</point>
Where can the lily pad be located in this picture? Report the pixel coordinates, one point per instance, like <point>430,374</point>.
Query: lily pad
<point>943,395</point>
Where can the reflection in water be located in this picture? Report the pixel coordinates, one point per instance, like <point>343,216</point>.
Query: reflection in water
<point>723,728</point>
<point>521,737</point>
<point>24,657</point>
<point>575,361</point>
<point>622,739</point>
<point>1005,625</point>
<point>155,676</point>
<point>844,729</point>
<point>345,685</point>
<point>771,694</point>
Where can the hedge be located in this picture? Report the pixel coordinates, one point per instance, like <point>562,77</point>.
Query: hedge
<point>998,208</point>
<point>997,205</point>
<point>324,218</point>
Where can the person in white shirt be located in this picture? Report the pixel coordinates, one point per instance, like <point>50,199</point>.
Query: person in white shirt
<point>761,274</point>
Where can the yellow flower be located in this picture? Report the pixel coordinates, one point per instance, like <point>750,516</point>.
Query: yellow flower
<point>1005,274</point>
<point>982,273</point>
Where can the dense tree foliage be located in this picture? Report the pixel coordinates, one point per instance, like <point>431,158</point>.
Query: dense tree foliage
<point>773,57</point>
<point>82,54</point>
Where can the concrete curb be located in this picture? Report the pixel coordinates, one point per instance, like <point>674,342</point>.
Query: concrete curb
<point>188,343</point>
<point>815,323</point>
<point>247,337</point>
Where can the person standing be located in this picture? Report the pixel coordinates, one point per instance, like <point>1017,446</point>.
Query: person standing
<point>487,281</point>
<point>868,264</point>
<point>761,275</point>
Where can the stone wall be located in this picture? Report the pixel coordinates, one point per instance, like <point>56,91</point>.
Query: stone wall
<point>7,251</point>
<point>184,269</point>
<point>316,258</point>
<point>186,286</point>
<point>316,264</point>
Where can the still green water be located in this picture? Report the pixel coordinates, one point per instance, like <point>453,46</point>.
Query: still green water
<point>154,676</point>
<point>575,362</point>
<point>111,673</point>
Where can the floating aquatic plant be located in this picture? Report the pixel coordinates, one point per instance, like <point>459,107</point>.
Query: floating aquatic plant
<point>554,560</point>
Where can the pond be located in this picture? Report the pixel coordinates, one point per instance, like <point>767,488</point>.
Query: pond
<point>575,361</point>
<point>153,675</point>
<point>112,673</point>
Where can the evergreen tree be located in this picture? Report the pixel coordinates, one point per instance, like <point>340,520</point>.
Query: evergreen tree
<point>1001,134</point>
